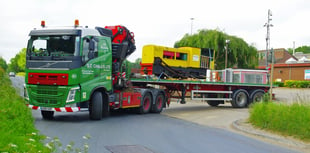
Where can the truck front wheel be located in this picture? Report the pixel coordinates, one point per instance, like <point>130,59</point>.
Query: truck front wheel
<point>47,115</point>
<point>95,106</point>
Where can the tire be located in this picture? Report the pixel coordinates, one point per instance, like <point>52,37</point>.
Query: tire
<point>257,96</point>
<point>106,106</point>
<point>146,104</point>
<point>240,98</point>
<point>47,115</point>
<point>95,110</point>
<point>213,103</point>
<point>158,105</point>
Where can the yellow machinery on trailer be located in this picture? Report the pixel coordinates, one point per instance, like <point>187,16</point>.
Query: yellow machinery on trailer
<point>176,62</point>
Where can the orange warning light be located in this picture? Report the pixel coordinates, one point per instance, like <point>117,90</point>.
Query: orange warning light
<point>76,23</point>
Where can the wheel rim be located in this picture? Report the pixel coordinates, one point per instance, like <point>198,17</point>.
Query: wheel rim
<point>241,99</point>
<point>258,97</point>
<point>159,102</point>
<point>146,103</point>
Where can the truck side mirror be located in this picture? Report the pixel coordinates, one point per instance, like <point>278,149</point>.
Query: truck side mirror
<point>91,54</point>
<point>91,46</point>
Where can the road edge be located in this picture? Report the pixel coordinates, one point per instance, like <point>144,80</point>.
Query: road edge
<point>243,126</point>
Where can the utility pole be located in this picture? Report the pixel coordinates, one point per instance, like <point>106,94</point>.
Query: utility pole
<point>268,25</point>
<point>271,76</point>
<point>192,19</point>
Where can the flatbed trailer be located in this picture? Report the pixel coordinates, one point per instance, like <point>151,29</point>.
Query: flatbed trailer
<point>213,92</point>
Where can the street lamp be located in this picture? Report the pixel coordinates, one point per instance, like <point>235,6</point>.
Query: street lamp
<point>226,47</point>
<point>192,19</point>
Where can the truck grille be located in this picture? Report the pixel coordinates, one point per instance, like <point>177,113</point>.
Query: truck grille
<point>50,96</point>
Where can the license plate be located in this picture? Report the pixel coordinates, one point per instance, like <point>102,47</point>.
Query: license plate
<point>46,108</point>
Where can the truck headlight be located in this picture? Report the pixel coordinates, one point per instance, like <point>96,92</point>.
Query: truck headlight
<point>71,94</point>
<point>26,96</point>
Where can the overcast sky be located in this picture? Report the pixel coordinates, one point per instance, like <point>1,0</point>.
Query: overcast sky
<point>160,22</point>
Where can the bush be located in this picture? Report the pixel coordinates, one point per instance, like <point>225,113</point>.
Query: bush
<point>279,84</point>
<point>297,84</point>
<point>292,120</point>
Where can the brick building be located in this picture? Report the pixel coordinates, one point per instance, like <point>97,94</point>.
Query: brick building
<point>293,71</point>
<point>298,70</point>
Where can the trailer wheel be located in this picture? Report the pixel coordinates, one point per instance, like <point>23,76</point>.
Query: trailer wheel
<point>157,107</point>
<point>257,96</point>
<point>240,98</point>
<point>95,110</point>
<point>47,115</point>
<point>146,104</point>
<point>213,103</point>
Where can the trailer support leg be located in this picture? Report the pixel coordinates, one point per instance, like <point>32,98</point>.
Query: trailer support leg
<point>183,96</point>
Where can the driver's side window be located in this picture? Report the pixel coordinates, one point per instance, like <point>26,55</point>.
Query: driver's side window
<point>90,49</point>
<point>85,50</point>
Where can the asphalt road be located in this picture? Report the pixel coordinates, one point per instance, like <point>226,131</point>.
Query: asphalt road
<point>156,132</point>
<point>132,133</point>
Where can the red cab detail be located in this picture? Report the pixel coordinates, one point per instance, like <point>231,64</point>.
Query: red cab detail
<point>48,78</point>
<point>146,68</point>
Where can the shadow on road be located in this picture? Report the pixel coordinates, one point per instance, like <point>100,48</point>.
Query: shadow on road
<point>78,117</point>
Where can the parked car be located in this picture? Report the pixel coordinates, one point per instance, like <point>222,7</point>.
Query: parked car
<point>12,74</point>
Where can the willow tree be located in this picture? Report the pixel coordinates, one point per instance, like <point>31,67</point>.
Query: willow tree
<point>240,54</point>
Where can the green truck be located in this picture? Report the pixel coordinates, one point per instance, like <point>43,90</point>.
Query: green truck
<point>77,68</point>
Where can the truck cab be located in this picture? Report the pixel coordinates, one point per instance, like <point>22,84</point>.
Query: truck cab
<point>77,68</point>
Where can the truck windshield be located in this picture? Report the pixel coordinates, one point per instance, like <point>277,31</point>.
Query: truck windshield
<point>57,47</point>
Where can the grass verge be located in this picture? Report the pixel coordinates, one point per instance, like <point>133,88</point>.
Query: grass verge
<point>17,131</point>
<point>288,120</point>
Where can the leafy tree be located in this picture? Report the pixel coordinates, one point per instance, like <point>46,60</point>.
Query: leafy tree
<point>240,54</point>
<point>3,64</point>
<point>303,49</point>
<point>21,60</point>
<point>136,64</point>
<point>13,65</point>
<point>18,63</point>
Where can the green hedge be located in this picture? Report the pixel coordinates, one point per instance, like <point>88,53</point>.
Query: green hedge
<point>279,84</point>
<point>297,84</point>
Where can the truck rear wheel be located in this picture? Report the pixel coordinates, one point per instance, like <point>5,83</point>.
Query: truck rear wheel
<point>157,107</point>
<point>240,98</point>
<point>47,115</point>
<point>146,104</point>
<point>95,110</point>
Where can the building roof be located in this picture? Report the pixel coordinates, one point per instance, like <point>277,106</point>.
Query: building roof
<point>281,56</point>
<point>287,65</point>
